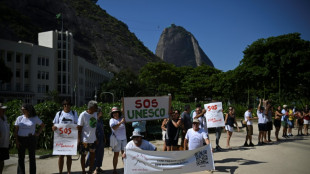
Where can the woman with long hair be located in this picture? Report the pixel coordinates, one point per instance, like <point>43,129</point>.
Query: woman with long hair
<point>277,122</point>
<point>26,135</point>
<point>230,120</point>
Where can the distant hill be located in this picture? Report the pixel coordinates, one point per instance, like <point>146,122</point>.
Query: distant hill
<point>99,37</point>
<point>179,47</point>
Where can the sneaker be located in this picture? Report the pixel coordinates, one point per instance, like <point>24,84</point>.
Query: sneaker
<point>219,147</point>
<point>291,135</point>
<point>245,144</point>
<point>259,143</point>
<point>251,144</point>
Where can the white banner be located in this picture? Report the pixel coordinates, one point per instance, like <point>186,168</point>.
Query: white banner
<point>214,115</point>
<point>142,161</point>
<point>65,139</point>
<point>146,108</point>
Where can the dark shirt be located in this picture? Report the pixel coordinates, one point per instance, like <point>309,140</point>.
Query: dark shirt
<point>186,120</point>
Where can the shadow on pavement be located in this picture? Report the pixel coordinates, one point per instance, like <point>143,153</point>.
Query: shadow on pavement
<point>119,171</point>
<point>226,169</point>
<point>232,169</point>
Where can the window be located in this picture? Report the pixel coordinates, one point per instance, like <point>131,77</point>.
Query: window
<point>47,76</point>
<point>59,36</point>
<point>26,75</point>
<point>39,74</point>
<point>59,65</point>
<point>46,88</point>
<point>59,45</point>
<point>27,59</point>
<point>64,79</point>
<point>47,62</point>
<point>39,60</point>
<point>26,88</point>
<point>64,54</point>
<point>17,73</point>
<point>18,58</point>
<point>42,75</point>
<point>59,79</point>
<point>59,54</point>
<point>59,88</point>
<point>17,86</point>
<point>64,66</point>
<point>64,89</point>
<point>9,57</point>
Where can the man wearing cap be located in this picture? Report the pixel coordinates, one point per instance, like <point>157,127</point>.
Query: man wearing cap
<point>138,143</point>
<point>195,137</point>
<point>87,123</point>
<point>4,137</point>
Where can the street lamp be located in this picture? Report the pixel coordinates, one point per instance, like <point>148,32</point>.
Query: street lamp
<point>95,93</point>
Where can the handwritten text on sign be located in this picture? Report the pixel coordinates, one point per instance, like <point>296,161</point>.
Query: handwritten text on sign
<point>65,139</point>
<point>146,108</point>
<point>214,115</point>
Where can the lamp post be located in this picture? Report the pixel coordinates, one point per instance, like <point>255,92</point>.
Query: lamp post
<point>109,93</point>
<point>95,93</point>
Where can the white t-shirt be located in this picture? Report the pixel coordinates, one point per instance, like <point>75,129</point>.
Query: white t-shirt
<point>4,133</point>
<point>26,125</point>
<point>283,111</point>
<point>120,132</point>
<point>195,138</point>
<point>202,121</point>
<point>89,123</point>
<point>66,118</point>
<point>145,145</point>
<point>248,114</point>
<point>261,117</point>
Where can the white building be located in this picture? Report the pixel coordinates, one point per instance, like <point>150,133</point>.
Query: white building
<point>49,66</point>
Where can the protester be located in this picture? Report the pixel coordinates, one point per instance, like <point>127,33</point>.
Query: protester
<point>87,134</point>
<point>195,137</point>
<point>290,122</point>
<point>65,116</point>
<point>306,121</point>
<point>300,118</point>
<point>117,124</point>
<point>138,143</point>
<point>172,134</point>
<point>139,126</point>
<point>26,135</point>
<point>262,123</point>
<point>199,114</point>
<point>249,129</point>
<point>4,137</point>
<point>186,121</point>
<point>284,120</point>
<point>230,120</point>
<point>99,145</point>
<point>277,122</point>
<point>164,132</point>
<point>268,113</point>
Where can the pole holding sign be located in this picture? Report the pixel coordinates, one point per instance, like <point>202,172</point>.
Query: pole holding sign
<point>146,108</point>
<point>214,115</point>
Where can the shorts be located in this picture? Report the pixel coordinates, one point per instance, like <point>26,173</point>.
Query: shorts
<point>290,123</point>
<point>229,128</point>
<point>284,124</point>
<point>4,154</point>
<point>121,144</point>
<point>277,123</point>
<point>171,142</point>
<point>87,147</point>
<point>269,125</point>
<point>249,130</point>
<point>262,126</point>
<point>306,121</point>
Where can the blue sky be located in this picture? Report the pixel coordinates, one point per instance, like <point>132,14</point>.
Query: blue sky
<point>223,28</point>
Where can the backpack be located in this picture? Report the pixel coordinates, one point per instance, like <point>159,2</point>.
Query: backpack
<point>73,113</point>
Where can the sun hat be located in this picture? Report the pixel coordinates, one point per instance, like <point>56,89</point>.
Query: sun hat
<point>2,106</point>
<point>115,109</point>
<point>136,134</point>
<point>195,120</point>
<point>284,106</point>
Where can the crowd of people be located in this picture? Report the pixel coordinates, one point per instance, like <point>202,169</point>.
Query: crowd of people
<point>191,126</point>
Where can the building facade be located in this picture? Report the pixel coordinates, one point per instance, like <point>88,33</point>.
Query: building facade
<point>49,66</point>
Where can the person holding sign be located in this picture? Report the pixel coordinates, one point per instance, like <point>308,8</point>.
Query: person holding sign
<point>87,123</point>
<point>230,120</point>
<point>138,143</point>
<point>195,137</point>
<point>172,134</point>
<point>117,124</point>
<point>199,114</point>
<point>65,116</point>
<point>26,136</point>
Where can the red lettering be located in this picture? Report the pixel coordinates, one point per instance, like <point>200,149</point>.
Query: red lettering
<point>138,104</point>
<point>146,103</point>
<point>154,103</point>
<point>69,131</point>
<point>61,131</point>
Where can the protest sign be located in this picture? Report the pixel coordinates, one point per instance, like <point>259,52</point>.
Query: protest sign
<point>146,108</point>
<point>142,161</point>
<point>65,139</point>
<point>214,115</point>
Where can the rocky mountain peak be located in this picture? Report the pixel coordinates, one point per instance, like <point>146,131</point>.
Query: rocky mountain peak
<point>179,47</point>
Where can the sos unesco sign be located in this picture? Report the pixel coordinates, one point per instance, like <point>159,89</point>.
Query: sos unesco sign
<point>146,108</point>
